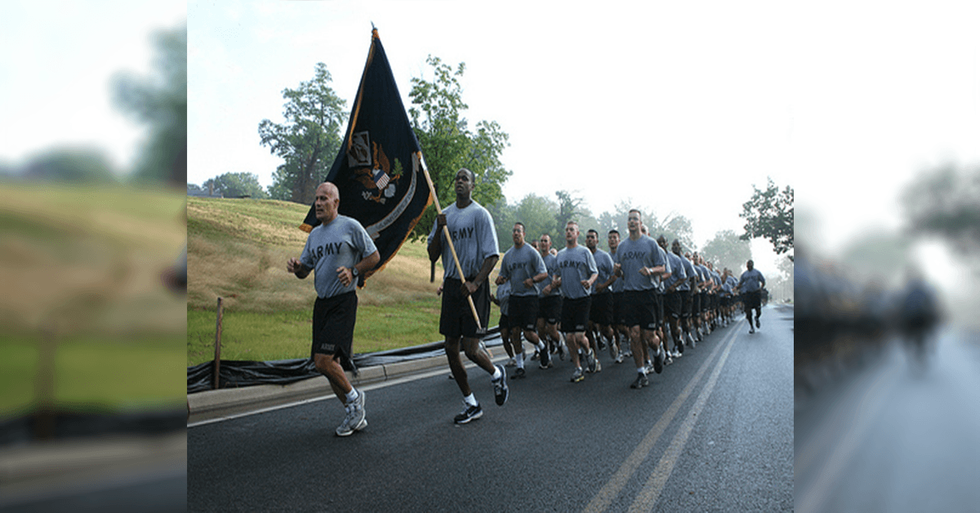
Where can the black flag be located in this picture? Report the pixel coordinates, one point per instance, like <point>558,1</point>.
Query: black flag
<point>379,168</point>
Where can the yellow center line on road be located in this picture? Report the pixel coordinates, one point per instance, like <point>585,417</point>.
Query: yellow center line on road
<point>648,496</point>
<point>611,490</point>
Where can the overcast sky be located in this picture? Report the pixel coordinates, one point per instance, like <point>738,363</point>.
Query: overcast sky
<point>676,106</point>
<point>612,103</point>
<point>57,60</point>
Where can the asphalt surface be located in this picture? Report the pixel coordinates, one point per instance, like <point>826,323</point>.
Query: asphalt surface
<point>895,435</point>
<point>714,432</point>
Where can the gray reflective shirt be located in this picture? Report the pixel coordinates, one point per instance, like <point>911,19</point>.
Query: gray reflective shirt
<point>617,285</point>
<point>551,265</point>
<point>474,239</point>
<point>604,264</point>
<point>503,295</point>
<point>678,272</point>
<point>668,268</point>
<point>692,275</point>
<point>574,265</point>
<point>519,265</point>
<point>633,255</point>
<point>342,242</point>
<point>751,281</point>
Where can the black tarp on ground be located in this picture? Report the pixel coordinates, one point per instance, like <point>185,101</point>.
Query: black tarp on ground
<point>236,373</point>
<point>66,424</point>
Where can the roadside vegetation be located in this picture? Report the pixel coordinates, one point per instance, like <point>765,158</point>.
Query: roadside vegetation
<point>237,250</point>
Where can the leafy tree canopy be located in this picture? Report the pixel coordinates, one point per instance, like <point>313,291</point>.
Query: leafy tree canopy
<point>308,140</point>
<point>448,143</point>
<point>160,102</point>
<point>727,249</point>
<point>944,202</point>
<point>236,185</point>
<point>769,214</point>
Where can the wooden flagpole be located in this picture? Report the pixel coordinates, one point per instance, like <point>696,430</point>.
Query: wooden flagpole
<point>449,239</point>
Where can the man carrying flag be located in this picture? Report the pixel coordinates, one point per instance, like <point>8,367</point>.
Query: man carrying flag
<point>378,171</point>
<point>475,241</point>
<point>337,251</point>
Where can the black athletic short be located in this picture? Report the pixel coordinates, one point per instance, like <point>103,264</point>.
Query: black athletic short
<point>575,314</point>
<point>549,308</point>
<point>504,322</point>
<point>333,327</point>
<point>673,304</point>
<point>660,308</point>
<point>687,303</point>
<point>696,303</point>
<point>523,312</point>
<point>456,319</point>
<point>601,311</point>
<point>640,309</point>
<point>752,300</point>
<point>618,308</point>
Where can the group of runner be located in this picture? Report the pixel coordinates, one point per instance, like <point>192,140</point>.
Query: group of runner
<point>640,299</point>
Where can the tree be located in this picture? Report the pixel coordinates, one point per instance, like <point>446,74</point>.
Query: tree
<point>538,215</point>
<point>281,188</point>
<point>671,227</point>
<point>236,185</point>
<point>193,188</point>
<point>448,144</point>
<point>79,165</point>
<point>160,102</point>
<point>727,249</point>
<point>309,139</point>
<point>569,209</point>
<point>943,202</point>
<point>769,214</point>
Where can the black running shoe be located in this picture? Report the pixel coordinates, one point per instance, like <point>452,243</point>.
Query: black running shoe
<point>500,389</point>
<point>545,360</point>
<point>470,413</point>
<point>641,381</point>
<point>658,361</point>
<point>757,325</point>
<point>518,373</point>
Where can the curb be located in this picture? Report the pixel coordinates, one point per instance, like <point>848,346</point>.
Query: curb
<point>214,404</point>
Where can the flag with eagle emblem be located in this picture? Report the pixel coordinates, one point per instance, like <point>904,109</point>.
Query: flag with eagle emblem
<point>379,168</point>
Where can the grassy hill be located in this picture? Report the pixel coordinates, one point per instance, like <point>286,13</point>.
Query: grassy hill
<point>237,250</point>
<point>80,271</point>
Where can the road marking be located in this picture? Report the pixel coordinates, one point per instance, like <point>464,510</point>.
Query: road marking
<point>435,371</point>
<point>615,485</point>
<point>650,492</point>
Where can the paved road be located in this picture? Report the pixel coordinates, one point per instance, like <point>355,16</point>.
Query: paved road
<point>894,436</point>
<point>714,432</point>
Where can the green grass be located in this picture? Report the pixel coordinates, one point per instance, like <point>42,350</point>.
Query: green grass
<point>286,335</point>
<point>81,265</point>
<point>95,372</point>
<point>238,250</point>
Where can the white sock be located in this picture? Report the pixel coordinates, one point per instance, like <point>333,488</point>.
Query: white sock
<point>496,374</point>
<point>642,371</point>
<point>540,346</point>
<point>470,400</point>
<point>520,361</point>
<point>352,395</point>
